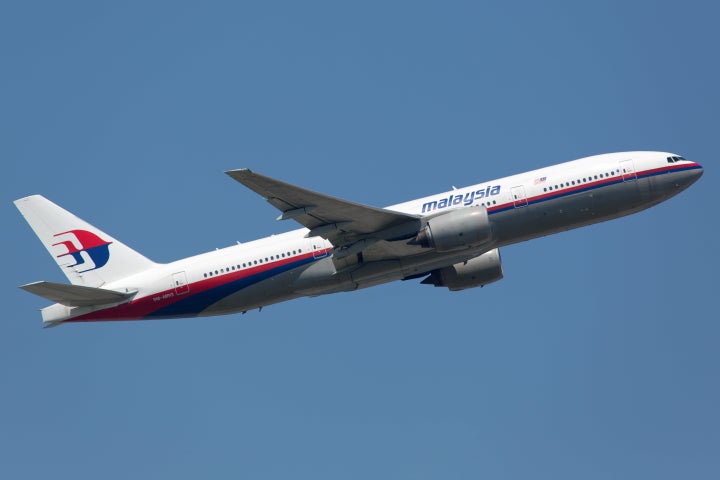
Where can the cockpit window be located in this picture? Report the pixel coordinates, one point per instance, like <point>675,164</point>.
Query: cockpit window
<point>674,159</point>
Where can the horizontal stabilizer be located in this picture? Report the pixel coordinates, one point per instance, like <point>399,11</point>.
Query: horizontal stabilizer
<point>76,295</point>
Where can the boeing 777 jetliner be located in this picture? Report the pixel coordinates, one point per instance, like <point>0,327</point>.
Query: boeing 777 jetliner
<point>451,239</point>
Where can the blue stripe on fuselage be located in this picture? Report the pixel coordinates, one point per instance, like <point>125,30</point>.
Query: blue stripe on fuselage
<point>196,303</point>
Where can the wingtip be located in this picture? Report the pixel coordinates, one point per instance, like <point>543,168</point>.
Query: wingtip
<point>27,198</point>
<point>28,286</point>
<point>238,171</point>
<point>52,324</point>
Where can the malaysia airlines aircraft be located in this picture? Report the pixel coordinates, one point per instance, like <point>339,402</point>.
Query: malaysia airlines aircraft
<point>451,239</point>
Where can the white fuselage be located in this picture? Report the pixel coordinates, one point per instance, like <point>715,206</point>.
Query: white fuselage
<point>290,265</point>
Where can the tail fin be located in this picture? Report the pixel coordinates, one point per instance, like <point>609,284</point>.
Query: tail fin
<point>86,255</point>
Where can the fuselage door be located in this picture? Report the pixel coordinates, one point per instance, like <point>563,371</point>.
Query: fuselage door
<point>180,283</point>
<point>627,169</point>
<point>518,196</point>
<point>318,248</point>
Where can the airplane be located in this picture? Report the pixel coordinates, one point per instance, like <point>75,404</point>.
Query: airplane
<point>450,240</point>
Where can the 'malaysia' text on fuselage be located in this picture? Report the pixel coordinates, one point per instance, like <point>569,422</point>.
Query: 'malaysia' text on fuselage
<point>455,200</point>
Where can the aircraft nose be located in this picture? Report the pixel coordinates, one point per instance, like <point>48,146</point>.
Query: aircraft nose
<point>689,175</point>
<point>695,174</point>
<point>698,172</point>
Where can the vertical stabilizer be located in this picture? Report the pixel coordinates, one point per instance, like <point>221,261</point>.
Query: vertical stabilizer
<point>86,255</point>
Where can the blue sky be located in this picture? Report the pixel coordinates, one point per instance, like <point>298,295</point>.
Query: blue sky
<point>596,356</point>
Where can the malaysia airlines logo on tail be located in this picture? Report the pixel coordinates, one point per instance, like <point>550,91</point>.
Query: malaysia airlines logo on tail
<point>95,247</point>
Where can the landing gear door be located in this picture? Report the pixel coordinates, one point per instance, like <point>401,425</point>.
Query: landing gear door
<point>627,169</point>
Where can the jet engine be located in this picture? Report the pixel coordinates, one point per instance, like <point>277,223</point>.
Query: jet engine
<point>476,272</point>
<point>456,229</point>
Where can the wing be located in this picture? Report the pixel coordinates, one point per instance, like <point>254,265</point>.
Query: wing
<point>348,225</point>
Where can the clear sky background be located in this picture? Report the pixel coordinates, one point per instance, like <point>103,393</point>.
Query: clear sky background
<point>596,357</point>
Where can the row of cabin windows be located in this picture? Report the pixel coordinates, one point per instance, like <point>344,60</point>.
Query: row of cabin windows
<point>251,263</point>
<point>494,202</point>
<point>578,181</point>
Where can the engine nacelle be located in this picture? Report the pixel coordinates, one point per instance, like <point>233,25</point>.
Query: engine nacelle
<point>476,272</point>
<point>456,229</point>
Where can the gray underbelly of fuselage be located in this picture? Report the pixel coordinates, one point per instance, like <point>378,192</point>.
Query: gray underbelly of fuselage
<point>538,218</point>
<point>554,215</point>
<point>322,278</point>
